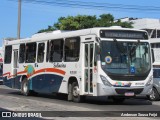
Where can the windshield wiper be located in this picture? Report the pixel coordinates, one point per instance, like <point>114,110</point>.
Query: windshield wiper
<point>131,52</point>
<point>122,50</point>
<point>133,49</point>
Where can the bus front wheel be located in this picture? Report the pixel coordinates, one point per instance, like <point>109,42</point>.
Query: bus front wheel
<point>154,95</point>
<point>76,97</point>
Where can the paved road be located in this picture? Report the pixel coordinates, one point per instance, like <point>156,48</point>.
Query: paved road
<point>12,100</point>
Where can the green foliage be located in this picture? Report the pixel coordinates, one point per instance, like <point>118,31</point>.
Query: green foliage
<point>85,21</point>
<point>124,24</point>
<point>50,28</point>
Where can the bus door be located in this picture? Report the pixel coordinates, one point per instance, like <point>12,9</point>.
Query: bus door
<point>88,67</point>
<point>15,67</point>
<point>40,68</point>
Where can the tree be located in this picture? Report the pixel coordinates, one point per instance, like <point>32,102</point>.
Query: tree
<point>50,28</point>
<point>124,24</point>
<point>85,21</point>
<point>105,20</point>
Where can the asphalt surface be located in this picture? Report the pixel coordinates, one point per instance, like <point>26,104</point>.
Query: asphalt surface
<point>42,102</point>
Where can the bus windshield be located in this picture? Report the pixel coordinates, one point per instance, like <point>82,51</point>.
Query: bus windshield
<point>125,58</point>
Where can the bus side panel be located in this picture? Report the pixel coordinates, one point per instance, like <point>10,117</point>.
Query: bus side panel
<point>6,75</point>
<point>12,82</point>
<point>8,82</point>
<point>50,84</point>
<point>36,84</point>
<point>7,69</point>
<point>55,82</point>
<point>71,70</point>
<point>45,83</point>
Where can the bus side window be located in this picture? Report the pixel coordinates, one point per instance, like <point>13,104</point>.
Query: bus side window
<point>47,54</point>
<point>51,51</point>
<point>40,57</point>
<point>156,73</point>
<point>31,52</point>
<point>72,48</point>
<point>56,50</point>
<point>21,53</point>
<point>8,54</point>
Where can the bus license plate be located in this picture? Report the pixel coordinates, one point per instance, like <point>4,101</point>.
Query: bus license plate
<point>129,94</point>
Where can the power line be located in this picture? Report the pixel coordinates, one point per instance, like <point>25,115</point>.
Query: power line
<point>93,5</point>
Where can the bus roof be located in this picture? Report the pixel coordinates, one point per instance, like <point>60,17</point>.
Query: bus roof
<point>63,34</point>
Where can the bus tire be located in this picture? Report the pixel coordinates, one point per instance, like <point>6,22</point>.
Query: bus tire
<point>76,97</point>
<point>154,96</point>
<point>24,87</point>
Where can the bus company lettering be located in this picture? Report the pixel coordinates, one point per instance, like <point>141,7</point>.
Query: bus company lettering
<point>59,65</point>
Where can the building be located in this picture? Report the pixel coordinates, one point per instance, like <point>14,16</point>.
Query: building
<point>1,64</point>
<point>152,26</point>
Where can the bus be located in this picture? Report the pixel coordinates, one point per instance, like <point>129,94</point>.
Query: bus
<point>1,65</point>
<point>155,47</point>
<point>105,61</point>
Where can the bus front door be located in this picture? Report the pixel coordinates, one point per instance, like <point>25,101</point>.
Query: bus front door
<point>88,67</point>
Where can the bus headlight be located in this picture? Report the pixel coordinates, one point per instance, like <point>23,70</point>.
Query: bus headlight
<point>105,81</point>
<point>150,81</point>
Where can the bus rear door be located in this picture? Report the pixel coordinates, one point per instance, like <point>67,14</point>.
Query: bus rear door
<point>16,81</point>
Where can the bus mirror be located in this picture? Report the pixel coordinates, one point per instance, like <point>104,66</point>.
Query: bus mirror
<point>98,39</point>
<point>97,52</point>
<point>97,49</point>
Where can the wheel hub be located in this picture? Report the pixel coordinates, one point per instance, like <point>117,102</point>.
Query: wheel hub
<point>25,87</point>
<point>152,96</point>
<point>75,91</point>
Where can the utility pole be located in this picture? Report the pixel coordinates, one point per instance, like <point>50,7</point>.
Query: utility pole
<point>19,20</point>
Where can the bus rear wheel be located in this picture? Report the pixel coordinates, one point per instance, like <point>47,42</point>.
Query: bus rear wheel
<point>76,97</point>
<point>24,87</point>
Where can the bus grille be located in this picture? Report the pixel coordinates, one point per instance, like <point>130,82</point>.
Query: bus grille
<point>122,91</point>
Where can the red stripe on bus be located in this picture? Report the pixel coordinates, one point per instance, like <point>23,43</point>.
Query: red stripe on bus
<point>38,71</point>
<point>8,73</point>
<point>55,70</point>
<point>22,72</point>
<point>50,70</point>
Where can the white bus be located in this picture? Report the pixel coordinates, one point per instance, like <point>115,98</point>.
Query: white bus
<point>113,62</point>
<point>1,65</point>
<point>155,46</point>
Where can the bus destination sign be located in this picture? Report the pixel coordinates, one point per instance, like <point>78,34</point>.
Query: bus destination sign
<point>123,34</point>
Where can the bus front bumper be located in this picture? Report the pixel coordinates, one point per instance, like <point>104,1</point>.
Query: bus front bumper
<point>103,90</point>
